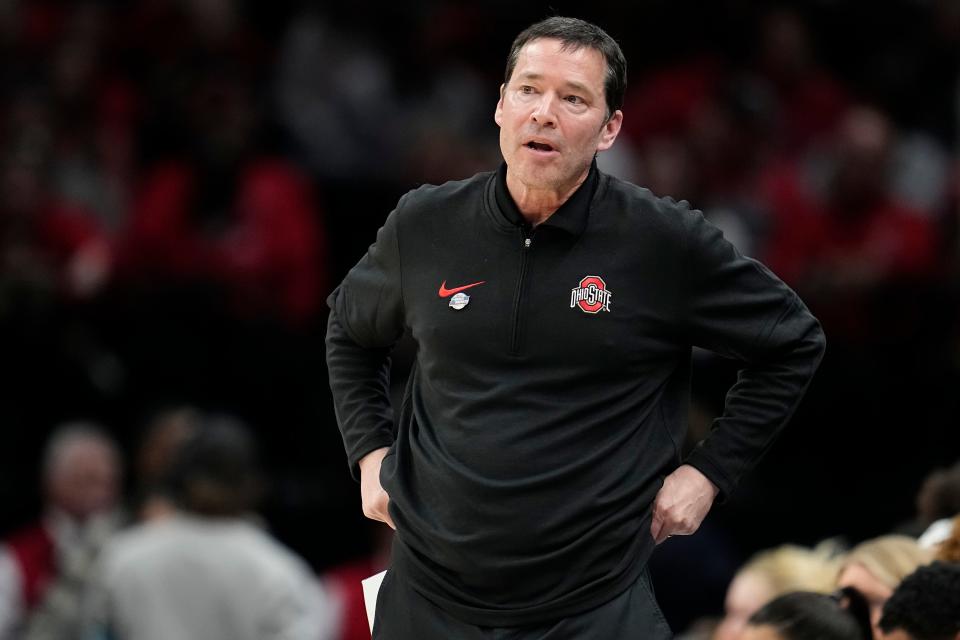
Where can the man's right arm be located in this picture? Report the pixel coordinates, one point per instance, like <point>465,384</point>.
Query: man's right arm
<point>366,319</point>
<point>360,385</point>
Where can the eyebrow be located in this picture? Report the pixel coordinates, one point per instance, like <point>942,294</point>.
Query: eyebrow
<point>576,86</point>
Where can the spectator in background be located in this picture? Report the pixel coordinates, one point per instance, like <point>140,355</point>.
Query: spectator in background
<point>810,101</point>
<point>926,605</point>
<point>733,142</point>
<point>876,567</point>
<point>337,99</point>
<point>207,572</point>
<point>803,615</point>
<point>164,435</point>
<point>223,263</point>
<point>938,501</point>
<point>95,112</point>
<point>51,247</point>
<point>223,217</point>
<point>44,567</point>
<point>772,573</point>
<point>69,144</point>
<point>838,232</point>
<point>338,89</point>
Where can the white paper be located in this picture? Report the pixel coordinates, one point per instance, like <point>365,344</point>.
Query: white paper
<point>371,587</point>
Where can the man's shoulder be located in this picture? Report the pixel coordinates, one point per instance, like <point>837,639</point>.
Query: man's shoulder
<point>137,540</point>
<point>638,206</point>
<point>183,536</point>
<point>30,539</point>
<point>429,196</point>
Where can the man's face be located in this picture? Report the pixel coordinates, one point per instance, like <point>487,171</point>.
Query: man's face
<point>85,479</point>
<point>553,115</point>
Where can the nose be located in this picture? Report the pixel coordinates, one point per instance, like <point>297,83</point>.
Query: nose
<point>543,112</point>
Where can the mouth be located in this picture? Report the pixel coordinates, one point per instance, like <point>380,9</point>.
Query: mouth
<point>540,146</point>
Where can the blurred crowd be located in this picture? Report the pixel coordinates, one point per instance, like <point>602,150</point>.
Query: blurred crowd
<point>185,555</point>
<point>891,587</point>
<point>184,181</point>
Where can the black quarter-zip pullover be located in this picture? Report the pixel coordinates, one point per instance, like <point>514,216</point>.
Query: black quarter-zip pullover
<point>549,395</point>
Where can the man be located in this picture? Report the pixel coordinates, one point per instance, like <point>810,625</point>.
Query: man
<point>207,571</point>
<point>925,606</point>
<point>44,567</point>
<point>536,462</point>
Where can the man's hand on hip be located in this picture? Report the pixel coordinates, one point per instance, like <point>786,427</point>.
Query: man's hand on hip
<point>375,499</point>
<point>682,503</point>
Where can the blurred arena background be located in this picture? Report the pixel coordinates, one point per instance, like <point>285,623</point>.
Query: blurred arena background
<point>183,181</point>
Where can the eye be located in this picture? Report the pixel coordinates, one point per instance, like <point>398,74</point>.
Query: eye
<point>526,89</point>
<point>574,100</point>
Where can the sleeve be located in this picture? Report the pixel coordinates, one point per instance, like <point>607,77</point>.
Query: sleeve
<point>366,320</point>
<point>11,600</point>
<point>738,308</point>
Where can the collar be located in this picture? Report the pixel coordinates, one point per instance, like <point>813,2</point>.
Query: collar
<point>570,217</point>
<point>66,531</point>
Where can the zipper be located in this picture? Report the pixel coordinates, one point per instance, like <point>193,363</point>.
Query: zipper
<point>526,234</point>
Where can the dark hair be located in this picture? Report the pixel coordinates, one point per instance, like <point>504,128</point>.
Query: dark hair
<point>574,33</point>
<point>804,615</point>
<point>926,604</point>
<point>939,497</point>
<point>214,471</point>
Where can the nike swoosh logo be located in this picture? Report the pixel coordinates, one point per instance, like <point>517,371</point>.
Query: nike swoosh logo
<point>446,293</point>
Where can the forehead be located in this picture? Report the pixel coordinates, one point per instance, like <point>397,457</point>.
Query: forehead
<point>857,575</point>
<point>748,592</point>
<point>547,58</point>
<point>81,453</point>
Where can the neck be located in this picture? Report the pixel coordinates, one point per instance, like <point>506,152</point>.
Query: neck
<point>536,204</point>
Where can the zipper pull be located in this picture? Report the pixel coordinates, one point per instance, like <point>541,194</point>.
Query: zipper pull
<point>527,242</point>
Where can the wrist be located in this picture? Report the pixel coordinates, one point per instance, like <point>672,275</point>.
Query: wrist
<point>713,489</point>
<point>374,457</point>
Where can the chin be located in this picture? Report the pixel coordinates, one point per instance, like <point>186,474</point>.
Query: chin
<point>538,176</point>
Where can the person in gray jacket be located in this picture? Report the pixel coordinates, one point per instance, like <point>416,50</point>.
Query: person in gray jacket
<point>207,572</point>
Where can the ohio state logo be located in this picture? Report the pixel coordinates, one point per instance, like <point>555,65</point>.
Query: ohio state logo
<point>591,296</point>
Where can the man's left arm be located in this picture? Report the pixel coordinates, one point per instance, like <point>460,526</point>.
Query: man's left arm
<point>738,308</point>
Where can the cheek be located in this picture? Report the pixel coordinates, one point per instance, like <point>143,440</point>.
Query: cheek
<point>584,139</point>
<point>506,148</point>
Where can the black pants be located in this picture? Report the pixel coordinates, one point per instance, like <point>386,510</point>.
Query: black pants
<point>403,614</point>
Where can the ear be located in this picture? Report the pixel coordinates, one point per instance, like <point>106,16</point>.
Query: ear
<point>498,112</point>
<point>610,130</point>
